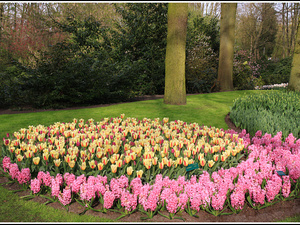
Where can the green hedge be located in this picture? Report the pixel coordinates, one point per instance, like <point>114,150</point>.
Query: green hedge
<point>270,111</point>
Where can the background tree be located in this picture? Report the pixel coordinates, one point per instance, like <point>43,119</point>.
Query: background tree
<point>175,90</point>
<point>227,25</point>
<point>294,82</point>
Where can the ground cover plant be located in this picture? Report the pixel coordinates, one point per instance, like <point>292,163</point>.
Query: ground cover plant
<point>270,112</point>
<point>226,186</point>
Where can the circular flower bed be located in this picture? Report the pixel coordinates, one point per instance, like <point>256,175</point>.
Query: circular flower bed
<point>130,164</point>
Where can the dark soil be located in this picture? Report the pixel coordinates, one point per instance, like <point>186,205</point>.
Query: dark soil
<point>273,213</point>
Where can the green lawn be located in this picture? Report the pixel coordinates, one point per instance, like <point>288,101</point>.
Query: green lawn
<point>204,109</point>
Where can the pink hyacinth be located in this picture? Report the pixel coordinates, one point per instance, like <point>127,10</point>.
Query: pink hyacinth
<point>218,200</point>
<point>59,179</point>
<point>257,194</point>
<point>237,199</point>
<point>24,176</point>
<point>69,178</point>
<point>40,176</point>
<point>66,197</point>
<point>108,199</point>
<point>55,189</point>
<point>128,200</point>
<point>286,187</point>
<point>273,187</point>
<point>5,163</point>
<point>183,200</point>
<point>172,203</point>
<point>14,171</point>
<point>115,187</point>
<point>76,184</point>
<point>136,185</point>
<point>35,185</point>
<point>87,191</point>
<point>47,179</point>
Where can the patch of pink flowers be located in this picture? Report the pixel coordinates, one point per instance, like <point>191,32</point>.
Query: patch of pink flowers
<point>256,176</point>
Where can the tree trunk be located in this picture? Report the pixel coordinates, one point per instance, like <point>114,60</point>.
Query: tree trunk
<point>283,30</point>
<point>294,83</point>
<point>175,90</point>
<point>1,19</point>
<point>227,27</point>
<point>287,30</point>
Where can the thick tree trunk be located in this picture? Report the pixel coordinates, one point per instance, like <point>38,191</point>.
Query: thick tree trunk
<point>175,90</point>
<point>294,83</point>
<point>227,25</point>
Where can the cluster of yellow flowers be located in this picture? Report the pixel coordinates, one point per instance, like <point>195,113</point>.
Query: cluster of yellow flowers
<point>114,143</point>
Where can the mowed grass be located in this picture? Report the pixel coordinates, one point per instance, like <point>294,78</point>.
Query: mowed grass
<point>204,109</point>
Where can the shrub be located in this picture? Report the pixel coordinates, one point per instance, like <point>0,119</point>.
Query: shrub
<point>270,111</point>
<point>276,72</point>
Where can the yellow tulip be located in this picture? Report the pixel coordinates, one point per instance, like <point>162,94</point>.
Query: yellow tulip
<point>169,162</point>
<point>100,166</point>
<point>127,158</point>
<point>113,168</point>
<point>139,173</point>
<point>154,161</point>
<point>161,165</point>
<point>202,162</point>
<point>28,154</point>
<point>104,160</point>
<point>129,170</point>
<point>99,154</point>
<point>72,163</point>
<point>92,164</point>
<point>119,163</point>
<point>57,162</point>
<point>210,163</point>
<point>36,160</point>
<point>216,157</point>
<point>45,156</point>
<point>223,156</point>
<point>185,161</point>
<point>83,165</point>
<point>179,160</point>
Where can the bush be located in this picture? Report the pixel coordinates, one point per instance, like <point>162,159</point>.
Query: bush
<point>268,111</point>
<point>276,72</point>
<point>202,54</point>
<point>246,73</point>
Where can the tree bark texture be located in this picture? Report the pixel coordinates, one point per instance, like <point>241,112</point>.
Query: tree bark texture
<point>294,83</point>
<point>175,90</point>
<point>227,27</point>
